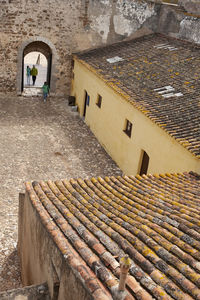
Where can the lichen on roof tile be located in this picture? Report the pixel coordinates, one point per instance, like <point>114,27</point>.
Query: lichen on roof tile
<point>152,218</point>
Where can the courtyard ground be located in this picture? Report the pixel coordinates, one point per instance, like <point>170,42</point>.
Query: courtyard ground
<point>39,141</point>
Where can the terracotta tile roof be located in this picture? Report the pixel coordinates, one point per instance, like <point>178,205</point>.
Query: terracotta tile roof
<point>154,219</point>
<point>150,63</point>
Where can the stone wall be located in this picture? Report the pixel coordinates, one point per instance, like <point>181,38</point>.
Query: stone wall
<point>67,26</point>
<point>72,26</point>
<point>176,18</point>
<point>182,21</point>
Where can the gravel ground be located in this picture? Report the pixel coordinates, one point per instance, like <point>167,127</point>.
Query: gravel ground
<point>39,141</point>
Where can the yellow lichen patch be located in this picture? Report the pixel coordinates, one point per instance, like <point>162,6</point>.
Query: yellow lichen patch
<point>125,260</point>
<point>148,252</point>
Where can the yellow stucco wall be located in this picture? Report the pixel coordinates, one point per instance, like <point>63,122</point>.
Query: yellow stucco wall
<point>108,122</point>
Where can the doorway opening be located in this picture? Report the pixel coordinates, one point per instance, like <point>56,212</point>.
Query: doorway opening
<point>39,54</point>
<point>42,46</point>
<point>144,163</point>
<point>38,60</point>
<point>86,103</point>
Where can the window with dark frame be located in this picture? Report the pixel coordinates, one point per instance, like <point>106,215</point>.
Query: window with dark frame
<point>128,128</point>
<point>88,100</point>
<point>144,163</point>
<point>99,100</point>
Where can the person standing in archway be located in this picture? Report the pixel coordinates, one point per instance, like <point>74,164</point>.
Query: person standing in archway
<point>28,74</point>
<point>34,73</point>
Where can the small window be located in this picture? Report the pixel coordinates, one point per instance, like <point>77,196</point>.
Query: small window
<point>72,64</point>
<point>99,100</point>
<point>144,163</point>
<point>128,128</point>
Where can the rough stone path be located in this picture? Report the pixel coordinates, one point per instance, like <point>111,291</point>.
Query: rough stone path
<point>39,141</point>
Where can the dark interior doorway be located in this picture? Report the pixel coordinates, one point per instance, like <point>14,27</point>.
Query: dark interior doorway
<point>144,163</point>
<point>86,103</point>
<point>44,49</point>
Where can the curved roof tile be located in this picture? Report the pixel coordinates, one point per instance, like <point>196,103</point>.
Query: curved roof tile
<point>152,218</point>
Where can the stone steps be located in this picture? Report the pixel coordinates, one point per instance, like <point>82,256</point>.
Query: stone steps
<point>32,91</point>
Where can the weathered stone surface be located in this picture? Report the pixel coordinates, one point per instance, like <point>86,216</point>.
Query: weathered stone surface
<point>181,21</point>
<point>189,29</point>
<point>191,6</point>
<point>33,292</point>
<point>66,27</point>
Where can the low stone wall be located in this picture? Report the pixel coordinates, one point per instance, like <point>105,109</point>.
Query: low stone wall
<point>41,260</point>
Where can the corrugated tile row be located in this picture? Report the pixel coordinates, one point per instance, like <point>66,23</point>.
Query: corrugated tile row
<point>146,68</point>
<point>154,219</point>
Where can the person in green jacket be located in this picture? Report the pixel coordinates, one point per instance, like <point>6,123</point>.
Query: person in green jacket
<point>34,73</point>
<point>28,74</point>
<point>45,90</point>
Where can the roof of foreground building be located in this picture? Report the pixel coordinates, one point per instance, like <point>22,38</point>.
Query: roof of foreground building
<point>158,75</point>
<point>154,219</point>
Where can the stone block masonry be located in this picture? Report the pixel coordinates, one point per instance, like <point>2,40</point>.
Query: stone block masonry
<point>72,26</point>
<point>66,27</point>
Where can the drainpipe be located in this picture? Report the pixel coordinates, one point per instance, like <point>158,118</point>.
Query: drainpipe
<point>125,264</point>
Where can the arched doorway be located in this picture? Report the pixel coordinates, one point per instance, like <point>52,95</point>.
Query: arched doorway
<point>38,47</point>
<point>38,60</point>
<point>44,47</point>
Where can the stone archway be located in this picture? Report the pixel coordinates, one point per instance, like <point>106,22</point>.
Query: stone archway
<point>45,47</point>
